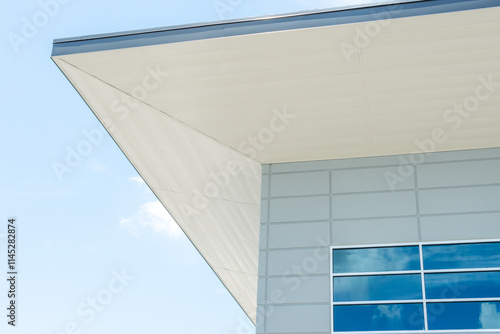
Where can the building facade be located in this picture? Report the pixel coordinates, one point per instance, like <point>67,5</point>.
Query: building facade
<point>368,207</point>
<point>339,170</point>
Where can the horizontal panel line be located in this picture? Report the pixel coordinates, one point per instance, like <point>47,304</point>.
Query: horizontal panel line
<point>272,222</point>
<point>460,186</point>
<point>424,243</point>
<point>345,193</point>
<point>463,300</point>
<point>408,244</point>
<point>375,302</point>
<point>333,169</point>
<point>415,301</point>
<point>461,270</point>
<point>308,332</point>
<point>384,191</point>
<point>298,276</point>
<point>378,273</point>
<point>458,213</point>
<point>447,331</point>
<point>295,304</point>
<point>412,272</point>
<point>297,222</point>
<point>373,218</point>
<point>298,248</point>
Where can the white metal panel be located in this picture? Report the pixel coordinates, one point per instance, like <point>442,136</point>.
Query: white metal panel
<point>376,102</point>
<point>178,163</point>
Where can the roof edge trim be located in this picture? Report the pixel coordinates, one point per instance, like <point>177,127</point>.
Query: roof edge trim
<point>291,21</point>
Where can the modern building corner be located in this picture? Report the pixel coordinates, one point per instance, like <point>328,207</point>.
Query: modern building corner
<point>338,170</point>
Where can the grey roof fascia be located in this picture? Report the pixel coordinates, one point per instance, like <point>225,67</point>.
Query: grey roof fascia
<point>190,32</point>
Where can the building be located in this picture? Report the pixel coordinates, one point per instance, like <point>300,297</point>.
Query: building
<point>339,170</point>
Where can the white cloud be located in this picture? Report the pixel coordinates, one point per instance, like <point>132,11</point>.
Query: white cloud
<point>137,179</point>
<point>152,215</point>
<point>489,317</point>
<point>392,312</point>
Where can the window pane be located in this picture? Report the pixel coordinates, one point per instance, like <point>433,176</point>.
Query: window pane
<point>376,259</point>
<point>462,285</point>
<point>378,317</point>
<point>485,255</point>
<point>382,287</point>
<point>475,315</point>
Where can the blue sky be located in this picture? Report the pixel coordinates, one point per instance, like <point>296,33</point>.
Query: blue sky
<point>96,253</point>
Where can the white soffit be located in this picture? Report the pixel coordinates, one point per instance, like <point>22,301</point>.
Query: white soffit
<point>211,190</point>
<point>376,102</point>
<point>398,88</point>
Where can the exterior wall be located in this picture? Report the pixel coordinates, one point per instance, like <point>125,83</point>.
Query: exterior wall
<point>308,207</point>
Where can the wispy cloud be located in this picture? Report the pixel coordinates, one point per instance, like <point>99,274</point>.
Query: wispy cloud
<point>152,215</point>
<point>489,316</point>
<point>137,179</point>
<point>392,312</point>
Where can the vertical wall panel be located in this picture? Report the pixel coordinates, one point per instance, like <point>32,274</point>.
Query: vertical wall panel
<point>375,231</point>
<point>299,209</point>
<point>368,179</point>
<point>459,174</point>
<point>386,204</point>
<point>293,235</point>
<point>299,319</point>
<point>297,184</point>
<point>454,198</point>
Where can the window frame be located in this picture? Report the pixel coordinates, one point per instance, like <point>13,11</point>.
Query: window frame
<point>424,301</point>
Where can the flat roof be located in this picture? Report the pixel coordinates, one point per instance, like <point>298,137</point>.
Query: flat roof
<point>226,28</point>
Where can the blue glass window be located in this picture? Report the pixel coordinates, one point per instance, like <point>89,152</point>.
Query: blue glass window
<point>381,317</point>
<point>486,255</point>
<point>464,315</point>
<point>380,287</point>
<point>376,259</point>
<point>462,285</point>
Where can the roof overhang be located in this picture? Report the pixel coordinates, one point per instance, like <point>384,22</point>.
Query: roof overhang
<point>198,109</point>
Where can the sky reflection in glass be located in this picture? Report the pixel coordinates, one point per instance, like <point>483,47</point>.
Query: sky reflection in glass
<point>376,259</point>
<point>462,285</point>
<point>352,285</point>
<point>467,315</point>
<point>381,287</point>
<point>486,255</point>
<point>378,317</point>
